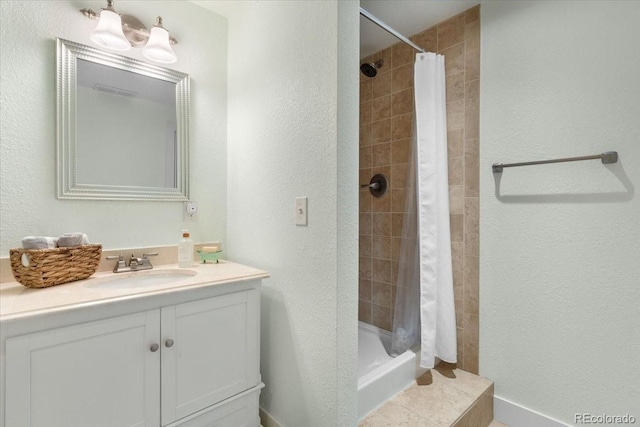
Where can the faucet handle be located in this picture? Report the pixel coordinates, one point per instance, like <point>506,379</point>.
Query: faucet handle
<point>120,264</point>
<point>150,254</point>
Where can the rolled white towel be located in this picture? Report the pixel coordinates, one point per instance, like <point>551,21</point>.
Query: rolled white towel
<point>72,239</point>
<point>39,242</point>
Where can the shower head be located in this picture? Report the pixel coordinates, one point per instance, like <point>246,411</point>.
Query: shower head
<point>370,69</point>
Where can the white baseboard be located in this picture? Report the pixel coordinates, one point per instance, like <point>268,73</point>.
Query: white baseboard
<point>268,420</point>
<point>515,415</point>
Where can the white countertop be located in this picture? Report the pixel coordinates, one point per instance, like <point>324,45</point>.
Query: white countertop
<point>17,301</point>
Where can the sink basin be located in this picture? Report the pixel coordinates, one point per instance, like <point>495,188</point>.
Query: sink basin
<point>141,279</point>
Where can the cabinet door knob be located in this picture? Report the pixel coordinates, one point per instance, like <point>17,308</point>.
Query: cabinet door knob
<point>168,343</point>
<point>154,348</point>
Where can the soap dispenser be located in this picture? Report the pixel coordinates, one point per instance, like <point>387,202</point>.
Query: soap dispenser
<point>185,250</point>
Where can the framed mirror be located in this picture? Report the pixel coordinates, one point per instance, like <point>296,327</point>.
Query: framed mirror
<point>123,127</point>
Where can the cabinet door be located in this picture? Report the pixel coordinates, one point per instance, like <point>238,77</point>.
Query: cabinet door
<point>215,352</point>
<point>98,374</point>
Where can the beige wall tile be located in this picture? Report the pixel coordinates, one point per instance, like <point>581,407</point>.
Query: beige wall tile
<point>381,248</point>
<point>472,110</point>
<point>381,271</point>
<point>456,222</point>
<point>365,91</point>
<point>381,108</point>
<point>394,294</point>
<point>382,317</point>
<point>396,246</point>
<point>365,246</point>
<point>365,290</point>
<point>455,87</point>
<point>364,311</point>
<point>365,134</point>
<point>365,157</point>
<point>402,102</point>
<point>399,198</point>
<point>472,14</point>
<point>458,304</point>
<point>451,32</point>
<point>471,285</point>
<point>471,169</point>
<point>387,57</point>
<point>402,78</point>
<point>457,264</point>
<point>456,170</point>
<point>460,343</point>
<point>456,199</point>
<point>366,221</point>
<point>382,224</point>
<point>401,151</point>
<point>381,204</point>
<point>401,127</point>
<point>382,294</point>
<point>365,113</point>
<point>402,54</point>
<point>381,84</point>
<point>471,336</point>
<point>455,115</point>
<point>381,155</point>
<point>455,143</point>
<point>365,176</point>
<point>399,175</point>
<point>365,204</point>
<point>397,222</point>
<point>365,268</point>
<point>453,59</point>
<point>471,220</point>
<point>428,39</point>
<point>472,51</point>
<point>394,272</point>
<point>381,131</point>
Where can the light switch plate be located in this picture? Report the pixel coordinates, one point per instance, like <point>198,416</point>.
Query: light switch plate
<point>301,211</point>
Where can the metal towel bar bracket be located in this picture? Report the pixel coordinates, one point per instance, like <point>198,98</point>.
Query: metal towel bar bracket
<point>607,157</point>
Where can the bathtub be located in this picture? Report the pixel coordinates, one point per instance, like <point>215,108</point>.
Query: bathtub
<point>381,376</point>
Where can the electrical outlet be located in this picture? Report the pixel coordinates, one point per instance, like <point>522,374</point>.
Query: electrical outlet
<point>191,211</point>
<point>301,211</point>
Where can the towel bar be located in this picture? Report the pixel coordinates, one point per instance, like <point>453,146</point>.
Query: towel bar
<point>607,157</point>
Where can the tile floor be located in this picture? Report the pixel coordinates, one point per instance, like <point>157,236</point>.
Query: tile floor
<point>444,396</point>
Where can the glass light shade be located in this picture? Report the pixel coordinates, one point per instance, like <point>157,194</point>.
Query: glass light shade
<point>158,47</point>
<point>108,32</point>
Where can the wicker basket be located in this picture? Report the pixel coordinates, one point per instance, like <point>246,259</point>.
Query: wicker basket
<point>50,267</point>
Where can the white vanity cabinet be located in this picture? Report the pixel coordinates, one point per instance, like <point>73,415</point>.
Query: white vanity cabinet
<point>191,364</point>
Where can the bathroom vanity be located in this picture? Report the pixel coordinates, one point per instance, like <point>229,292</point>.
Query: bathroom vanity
<point>114,352</point>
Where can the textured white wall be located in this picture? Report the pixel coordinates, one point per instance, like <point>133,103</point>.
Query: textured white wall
<point>560,244</point>
<point>28,126</point>
<point>293,131</point>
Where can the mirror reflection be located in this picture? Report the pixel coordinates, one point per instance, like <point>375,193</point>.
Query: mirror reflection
<point>130,135</point>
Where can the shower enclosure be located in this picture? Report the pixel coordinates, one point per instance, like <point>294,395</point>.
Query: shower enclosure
<point>388,225</point>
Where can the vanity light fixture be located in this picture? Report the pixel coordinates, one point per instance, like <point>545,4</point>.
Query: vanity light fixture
<point>121,32</point>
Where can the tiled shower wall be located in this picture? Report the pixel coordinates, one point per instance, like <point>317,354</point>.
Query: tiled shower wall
<point>386,114</point>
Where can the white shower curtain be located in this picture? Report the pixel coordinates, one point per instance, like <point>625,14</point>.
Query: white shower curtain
<point>437,311</point>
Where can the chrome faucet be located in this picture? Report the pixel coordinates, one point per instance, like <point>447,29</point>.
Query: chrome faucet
<point>135,263</point>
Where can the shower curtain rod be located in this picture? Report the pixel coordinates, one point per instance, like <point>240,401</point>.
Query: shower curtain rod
<point>388,29</point>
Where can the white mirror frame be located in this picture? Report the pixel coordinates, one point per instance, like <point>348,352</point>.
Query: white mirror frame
<point>67,186</point>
